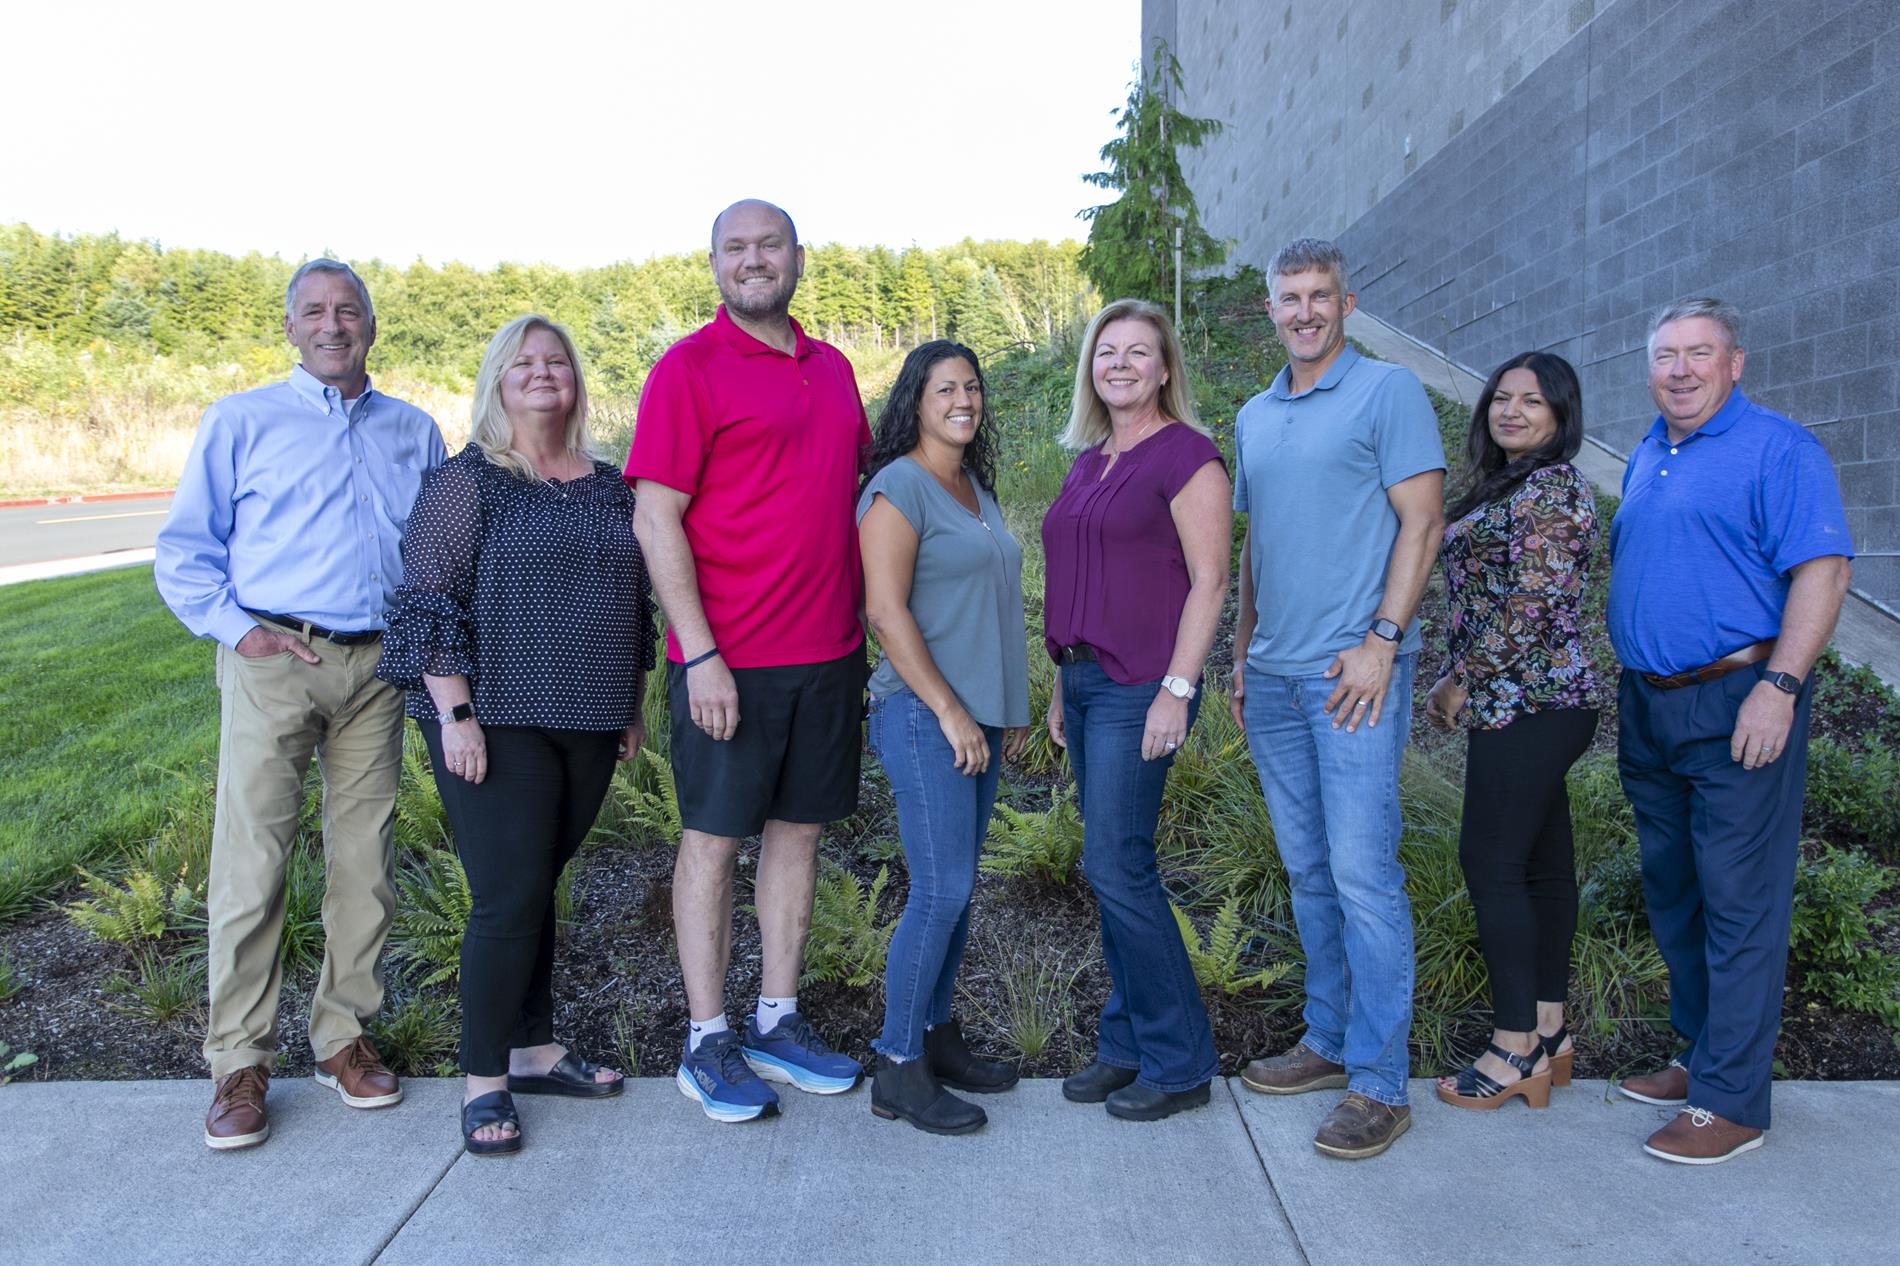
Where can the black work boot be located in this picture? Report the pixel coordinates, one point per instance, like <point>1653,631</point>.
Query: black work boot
<point>910,1092</point>
<point>955,1064</point>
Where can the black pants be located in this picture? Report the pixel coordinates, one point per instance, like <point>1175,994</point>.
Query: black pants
<point>514,832</point>
<point>1519,864</point>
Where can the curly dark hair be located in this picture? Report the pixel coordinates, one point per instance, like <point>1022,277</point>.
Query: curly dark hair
<point>1493,475</point>
<point>896,432</point>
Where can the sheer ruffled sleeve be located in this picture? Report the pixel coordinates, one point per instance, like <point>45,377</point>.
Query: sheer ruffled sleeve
<point>432,629</point>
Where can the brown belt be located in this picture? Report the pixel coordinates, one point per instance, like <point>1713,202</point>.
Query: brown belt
<point>1720,668</point>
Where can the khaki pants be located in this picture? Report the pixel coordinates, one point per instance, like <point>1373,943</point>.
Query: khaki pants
<point>276,712</point>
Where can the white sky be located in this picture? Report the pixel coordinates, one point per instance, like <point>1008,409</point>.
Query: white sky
<point>568,131</point>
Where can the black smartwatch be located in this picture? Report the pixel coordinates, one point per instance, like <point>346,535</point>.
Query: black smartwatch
<point>460,712</point>
<point>1786,683</point>
<point>1387,630</point>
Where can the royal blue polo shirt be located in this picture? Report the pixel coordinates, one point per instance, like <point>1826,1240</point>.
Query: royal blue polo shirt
<point>1710,529</point>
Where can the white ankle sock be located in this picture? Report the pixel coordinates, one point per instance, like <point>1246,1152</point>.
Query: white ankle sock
<point>771,1010</point>
<point>698,1031</point>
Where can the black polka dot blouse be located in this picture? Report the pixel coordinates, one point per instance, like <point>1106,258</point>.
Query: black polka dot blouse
<point>533,589</point>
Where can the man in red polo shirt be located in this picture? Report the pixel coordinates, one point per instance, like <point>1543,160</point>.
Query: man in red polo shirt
<point>744,465</point>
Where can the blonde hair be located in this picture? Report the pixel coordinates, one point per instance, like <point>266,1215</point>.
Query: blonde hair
<point>489,426</point>
<point>1088,416</point>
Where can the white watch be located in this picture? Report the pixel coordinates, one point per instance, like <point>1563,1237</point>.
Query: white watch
<point>1179,687</point>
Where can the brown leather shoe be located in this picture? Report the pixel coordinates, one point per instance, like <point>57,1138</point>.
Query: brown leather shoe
<point>1699,1137</point>
<point>1299,1070</point>
<point>237,1118</point>
<point>357,1073</point>
<point>1360,1127</point>
<point>1666,1087</point>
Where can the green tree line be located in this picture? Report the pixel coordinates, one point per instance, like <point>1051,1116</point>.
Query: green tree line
<point>205,307</point>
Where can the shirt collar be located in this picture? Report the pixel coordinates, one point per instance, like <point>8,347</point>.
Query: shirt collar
<point>306,384</point>
<point>1723,418</point>
<point>746,345</point>
<point>1282,388</point>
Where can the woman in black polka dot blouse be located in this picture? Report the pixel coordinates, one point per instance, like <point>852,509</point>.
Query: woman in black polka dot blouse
<point>524,632</point>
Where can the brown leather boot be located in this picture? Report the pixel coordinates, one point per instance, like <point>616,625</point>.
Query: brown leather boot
<point>1667,1086</point>
<point>1299,1070</point>
<point>237,1117</point>
<point>1699,1137</point>
<point>1360,1127</point>
<point>357,1073</point>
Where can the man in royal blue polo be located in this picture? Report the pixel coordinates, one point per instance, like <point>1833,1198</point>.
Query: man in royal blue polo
<point>1729,561</point>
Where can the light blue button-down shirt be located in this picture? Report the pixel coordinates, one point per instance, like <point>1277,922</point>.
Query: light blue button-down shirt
<point>291,503</point>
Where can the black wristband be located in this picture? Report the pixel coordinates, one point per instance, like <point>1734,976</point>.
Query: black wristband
<point>697,660</point>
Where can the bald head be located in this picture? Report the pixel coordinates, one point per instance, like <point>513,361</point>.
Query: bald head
<point>754,204</point>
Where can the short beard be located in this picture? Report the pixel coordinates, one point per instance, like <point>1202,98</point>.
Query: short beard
<point>772,306</point>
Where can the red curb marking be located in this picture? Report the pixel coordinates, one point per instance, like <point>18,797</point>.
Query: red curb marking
<point>80,498</point>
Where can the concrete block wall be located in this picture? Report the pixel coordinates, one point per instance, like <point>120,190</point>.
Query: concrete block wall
<point>1641,150</point>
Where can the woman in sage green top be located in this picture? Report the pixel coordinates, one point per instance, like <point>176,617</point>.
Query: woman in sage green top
<point>950,700</point>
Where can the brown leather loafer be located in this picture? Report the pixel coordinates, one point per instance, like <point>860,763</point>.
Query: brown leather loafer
<point>237,1117</point>
<point>1699,1137</point>
<point>1299,1070</point>
<point>1360,1127</point>
<point>1666,1087</point>
<point>357,1073</point>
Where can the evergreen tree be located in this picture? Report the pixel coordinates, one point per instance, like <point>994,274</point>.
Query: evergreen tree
<point>1130,251</point>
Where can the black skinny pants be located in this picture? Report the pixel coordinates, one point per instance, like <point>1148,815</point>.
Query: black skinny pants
<point>1518,859</point>
<point>514,832</point>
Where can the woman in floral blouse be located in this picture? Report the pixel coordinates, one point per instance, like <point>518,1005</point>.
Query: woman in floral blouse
<point>1516,556</point>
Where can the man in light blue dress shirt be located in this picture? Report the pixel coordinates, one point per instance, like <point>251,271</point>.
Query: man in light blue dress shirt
<point>283,546</point>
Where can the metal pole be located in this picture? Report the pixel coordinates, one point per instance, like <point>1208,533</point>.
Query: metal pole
<point>1177,276</point>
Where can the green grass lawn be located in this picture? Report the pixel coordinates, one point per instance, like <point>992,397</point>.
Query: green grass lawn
<point>108,715</point>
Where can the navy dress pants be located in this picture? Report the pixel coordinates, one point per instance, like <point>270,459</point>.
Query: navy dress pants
<point>1719,846</point>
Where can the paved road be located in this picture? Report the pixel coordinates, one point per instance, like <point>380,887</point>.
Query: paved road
<point>37,534</point>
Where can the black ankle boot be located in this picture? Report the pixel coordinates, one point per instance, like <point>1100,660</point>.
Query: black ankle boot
<point>910,1092</point>
<point>1096,1082</point>
<point>956,1065</point>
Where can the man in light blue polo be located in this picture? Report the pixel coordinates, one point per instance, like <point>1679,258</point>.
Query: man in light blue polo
<point>1729,561</point>
<point>282,545</point>
<point>1339,467</point>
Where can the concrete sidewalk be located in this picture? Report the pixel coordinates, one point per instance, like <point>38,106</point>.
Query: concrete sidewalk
<point>116,1172</point>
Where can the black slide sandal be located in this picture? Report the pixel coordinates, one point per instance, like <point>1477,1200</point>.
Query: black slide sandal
<point>497,1107</point>
<point>570,1076</point>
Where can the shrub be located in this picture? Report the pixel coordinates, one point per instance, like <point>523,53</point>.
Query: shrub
<point>418,1037</point>
<point>1042,845</point>
<point>302,940</point>
<point>1035,1006</point>
<point>431,913</point>
<point>140,910</point>
<point>847,942</point>
<point>1854,795</point>
<point>1216,960</point>
<point>1833,937</point>
<point>160,990</point>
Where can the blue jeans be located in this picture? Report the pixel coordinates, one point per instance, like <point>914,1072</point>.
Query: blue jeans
<point>1154,1020</point>
<point>942,817</point>
<point>1334,800</point>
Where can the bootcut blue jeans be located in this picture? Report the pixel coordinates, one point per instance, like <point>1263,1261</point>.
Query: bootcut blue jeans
<point>942,818</point>
<point>1154,1020</point>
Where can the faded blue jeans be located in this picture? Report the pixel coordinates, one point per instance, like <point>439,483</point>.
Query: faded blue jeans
<point>1154,1020</point>
<point>942,818</point>
<point>1334,800</point>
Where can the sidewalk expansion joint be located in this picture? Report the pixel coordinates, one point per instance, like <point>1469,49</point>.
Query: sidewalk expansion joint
<point>1279,1205</point>
<point>410,1212</point>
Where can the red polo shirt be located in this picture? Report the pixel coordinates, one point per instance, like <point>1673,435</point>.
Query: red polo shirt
<point>768,447</point>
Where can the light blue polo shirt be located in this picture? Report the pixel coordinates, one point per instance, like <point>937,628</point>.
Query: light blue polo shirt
<point>1312,470</point>
<point>1708,532</point>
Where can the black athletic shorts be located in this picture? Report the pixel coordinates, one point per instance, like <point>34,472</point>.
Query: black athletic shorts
<point>794,757</point>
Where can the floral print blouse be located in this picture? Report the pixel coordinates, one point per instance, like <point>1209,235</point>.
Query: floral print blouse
<point>1516,570</point>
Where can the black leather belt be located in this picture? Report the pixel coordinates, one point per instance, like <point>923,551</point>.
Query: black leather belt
<point>308,629</point>
<point>1080,653</point>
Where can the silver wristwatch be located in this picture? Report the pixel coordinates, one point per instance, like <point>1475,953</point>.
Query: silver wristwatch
<point>1179,687</point>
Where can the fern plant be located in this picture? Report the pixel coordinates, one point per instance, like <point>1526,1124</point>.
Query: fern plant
<point>847,941</point>
<point>13,1063</point>
<point>432,913</point>
<point>1216,960</point>
<point>141,910</point>
<point>1043,845</point>
<point>645,797</point>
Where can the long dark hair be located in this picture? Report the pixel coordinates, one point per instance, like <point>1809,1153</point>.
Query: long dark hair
<point>896,432</point>
<point>1493,475</point>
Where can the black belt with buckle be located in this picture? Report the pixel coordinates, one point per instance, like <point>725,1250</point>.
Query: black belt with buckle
<point>341,638</point>
<point>1080,653</point>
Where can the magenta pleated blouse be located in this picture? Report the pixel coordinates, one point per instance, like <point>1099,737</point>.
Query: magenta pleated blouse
<point>1116,577</point>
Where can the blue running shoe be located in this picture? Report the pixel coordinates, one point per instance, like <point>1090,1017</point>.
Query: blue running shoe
<point>716,1075</point>
<point>793,1052</point>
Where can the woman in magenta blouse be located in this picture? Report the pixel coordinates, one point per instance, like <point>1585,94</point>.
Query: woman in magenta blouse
<point>1136,547</point>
